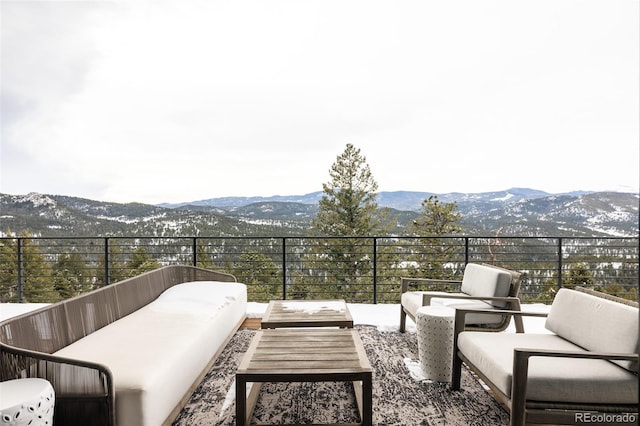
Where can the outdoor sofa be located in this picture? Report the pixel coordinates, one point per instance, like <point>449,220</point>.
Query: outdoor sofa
<point>582,370</point>
<point>130,353</point>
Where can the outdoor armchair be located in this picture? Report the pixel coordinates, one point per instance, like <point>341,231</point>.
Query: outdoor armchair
<point>482,287</point>
<point>582,368</point>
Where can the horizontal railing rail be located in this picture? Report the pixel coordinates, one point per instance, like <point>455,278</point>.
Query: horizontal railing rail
<point>358,269</point>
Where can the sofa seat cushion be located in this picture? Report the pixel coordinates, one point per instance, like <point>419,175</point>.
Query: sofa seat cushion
<point>156,353</point>
<point>485,281</point>
<point>595,324</point>
<point>412,301</point>
<point>550,379</point>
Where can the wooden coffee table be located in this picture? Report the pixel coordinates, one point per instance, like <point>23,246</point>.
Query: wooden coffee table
<point>304,355</point>
<point>307,313</point>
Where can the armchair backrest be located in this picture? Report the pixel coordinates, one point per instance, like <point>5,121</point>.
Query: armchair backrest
<point>487,281</point>
<point>595,323</point>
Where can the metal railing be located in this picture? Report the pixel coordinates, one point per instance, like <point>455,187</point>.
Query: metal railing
<point>358,269</point>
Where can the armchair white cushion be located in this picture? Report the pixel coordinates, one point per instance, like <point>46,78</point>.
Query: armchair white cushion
<point>486,281</point>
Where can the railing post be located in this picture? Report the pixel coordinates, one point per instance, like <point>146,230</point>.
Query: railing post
<point>195,251</point>
<point>20,270</point>
<point>559,263</point>
<point>375,270</point>
<point>284,268</point>
<point>107,273</point>
<point>466,250</point>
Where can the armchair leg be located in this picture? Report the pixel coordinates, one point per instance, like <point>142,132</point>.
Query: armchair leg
<point>517,319</point>
<point>403,319</point>
<point>456,370</point>
<point>519,388</point>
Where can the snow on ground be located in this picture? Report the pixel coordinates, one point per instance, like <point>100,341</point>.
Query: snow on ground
<point>384,316</point>
<point>8,310</point>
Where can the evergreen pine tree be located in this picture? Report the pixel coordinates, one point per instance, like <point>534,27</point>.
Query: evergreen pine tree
<point>203,259</point>
<point>346,209</point>
<point>435,221</point>
<point>37,286</point>
<point>71,275</point>
<point>8,270</point>
<point>348,204</point>
<point>141,261</point>
<point>261,274</point>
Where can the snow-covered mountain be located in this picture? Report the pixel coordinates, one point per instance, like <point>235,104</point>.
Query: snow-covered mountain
<point>517,211</point>
<point>399,200</point>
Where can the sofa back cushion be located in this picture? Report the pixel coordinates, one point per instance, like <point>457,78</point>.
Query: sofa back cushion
<point>596,324</point>
<point>485,281</point>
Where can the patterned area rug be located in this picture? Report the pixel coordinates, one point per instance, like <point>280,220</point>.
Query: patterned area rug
<point>399,398</point>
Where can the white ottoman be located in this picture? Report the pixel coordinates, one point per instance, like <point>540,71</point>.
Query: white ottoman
<point>435,341</point>
<point>26,402</point>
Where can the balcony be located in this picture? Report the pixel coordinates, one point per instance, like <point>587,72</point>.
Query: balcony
<point>288,268</point>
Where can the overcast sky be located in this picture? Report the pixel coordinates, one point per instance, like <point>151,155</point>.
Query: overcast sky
<point>181,100</point>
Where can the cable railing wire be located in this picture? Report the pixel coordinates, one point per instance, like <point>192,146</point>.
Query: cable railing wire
<point>358,269</point>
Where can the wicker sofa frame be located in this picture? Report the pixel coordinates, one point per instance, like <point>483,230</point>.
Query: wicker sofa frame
<point>84,390</point>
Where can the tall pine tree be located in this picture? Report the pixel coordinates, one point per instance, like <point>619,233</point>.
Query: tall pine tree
<point>349,202</point>
<point>346,209</point>
<point>435,222</point>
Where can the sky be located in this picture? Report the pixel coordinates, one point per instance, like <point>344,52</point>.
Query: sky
<point>180,100</point>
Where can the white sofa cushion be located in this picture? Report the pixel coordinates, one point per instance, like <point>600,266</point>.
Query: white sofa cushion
<point>550,379</point>
<point>485,281</point>
<point>156,353</point>
<point>595,324</point>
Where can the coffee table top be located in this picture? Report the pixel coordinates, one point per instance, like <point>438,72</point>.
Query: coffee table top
<point>307,313</point>
<point>305,355</point>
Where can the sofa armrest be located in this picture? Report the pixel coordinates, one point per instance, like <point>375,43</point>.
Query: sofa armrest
<point>62,373</point>
<point>521,370</point>
<point>405,282</point>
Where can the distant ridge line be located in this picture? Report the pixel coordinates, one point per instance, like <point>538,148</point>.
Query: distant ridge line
<point>410,199</point>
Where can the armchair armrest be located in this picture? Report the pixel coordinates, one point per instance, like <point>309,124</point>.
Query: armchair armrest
<point>405,282</point>
<point>458,327</point>
<point>426,298</point>
<point>514,302</point>
<point>521,370</point>
<point>461,313</point>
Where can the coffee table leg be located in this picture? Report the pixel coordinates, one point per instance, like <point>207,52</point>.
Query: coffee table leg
<point>364,399</point>
<point>367,400</point>
<point>252,399</point>
<point>241,401</point>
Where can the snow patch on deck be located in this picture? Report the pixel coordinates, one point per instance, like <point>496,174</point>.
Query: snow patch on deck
<point>314,307</point>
